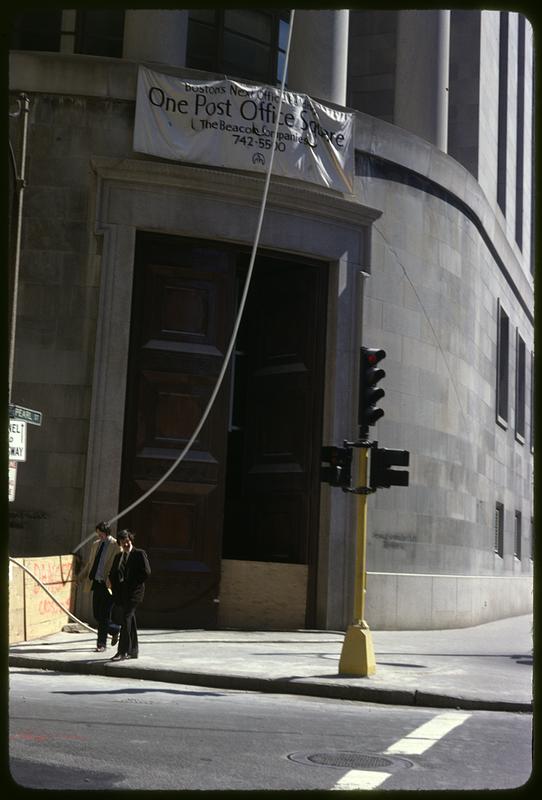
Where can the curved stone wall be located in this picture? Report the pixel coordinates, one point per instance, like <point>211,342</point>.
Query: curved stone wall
<point>440,265</point>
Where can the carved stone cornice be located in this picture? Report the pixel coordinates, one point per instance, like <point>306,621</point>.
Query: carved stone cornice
<point>284,194</point>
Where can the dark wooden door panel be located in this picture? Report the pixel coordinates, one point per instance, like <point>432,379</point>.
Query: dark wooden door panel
<point>285,373</point>
<point>181,322</point>
<point>186,311</point>
<point>179,524</point>
<point>272,505</point>
<point>276,519</point>
<point>182,317</point>
<point>278,424</point>
<point>171,405</point>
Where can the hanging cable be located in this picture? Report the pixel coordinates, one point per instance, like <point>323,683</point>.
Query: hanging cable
<point>242,303</point>
<point>20,179</point>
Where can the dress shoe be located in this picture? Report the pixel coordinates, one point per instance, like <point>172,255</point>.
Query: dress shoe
<point>100,648</point>
<point>114,639</point>
<point>119,657</point>
<point>132,655</point>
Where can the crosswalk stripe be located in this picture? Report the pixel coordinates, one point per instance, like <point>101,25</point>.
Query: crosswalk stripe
<point>361,779</point>
<point>425,736</point>
<point>414,743</point>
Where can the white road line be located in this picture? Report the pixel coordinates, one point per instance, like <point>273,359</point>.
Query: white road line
<point>424,737</point>
<point>416,742</point>
<point>361,779</point>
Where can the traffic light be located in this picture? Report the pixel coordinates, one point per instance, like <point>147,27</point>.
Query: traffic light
<point>369,393</point>
<point>382,462</point>
<point>338,469</point>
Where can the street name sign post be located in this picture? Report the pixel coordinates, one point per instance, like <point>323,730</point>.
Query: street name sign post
<point>18,418</point>
<point>25,414</point>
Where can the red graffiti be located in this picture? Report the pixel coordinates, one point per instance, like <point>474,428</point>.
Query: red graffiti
<point>48,607</point>
<point>50,571</point>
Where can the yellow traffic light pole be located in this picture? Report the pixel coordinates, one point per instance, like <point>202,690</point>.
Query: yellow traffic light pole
<point>357,654</point>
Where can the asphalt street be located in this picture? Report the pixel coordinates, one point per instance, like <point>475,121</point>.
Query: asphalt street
<point>70,731</point>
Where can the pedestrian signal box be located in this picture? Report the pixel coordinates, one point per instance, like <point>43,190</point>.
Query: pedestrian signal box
<point>383,460</point>
<point>337,466</point>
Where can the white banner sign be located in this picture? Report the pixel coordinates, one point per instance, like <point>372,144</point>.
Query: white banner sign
<point>229,124</point>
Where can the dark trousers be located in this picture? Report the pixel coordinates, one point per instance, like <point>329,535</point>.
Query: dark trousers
<point>128,644</point>
<point>101,608</point>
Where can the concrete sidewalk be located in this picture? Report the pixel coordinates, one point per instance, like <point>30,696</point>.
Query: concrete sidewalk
<point>485,667</point>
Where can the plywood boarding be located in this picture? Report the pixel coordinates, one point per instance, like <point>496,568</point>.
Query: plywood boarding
<point>42,615</point>
<point>16,604</point>
<point>262,595</point>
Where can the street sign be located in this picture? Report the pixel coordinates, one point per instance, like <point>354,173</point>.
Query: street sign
<point>12,480</point>
<point>25,414</point>
<point>17,440</point>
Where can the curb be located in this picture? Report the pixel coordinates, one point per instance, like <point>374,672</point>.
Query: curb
<point>301,686</point>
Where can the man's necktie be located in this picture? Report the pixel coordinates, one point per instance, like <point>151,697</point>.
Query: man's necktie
<point>92,572</point>
<point>122,567</point>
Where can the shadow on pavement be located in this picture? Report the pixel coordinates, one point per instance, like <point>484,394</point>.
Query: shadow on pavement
<point>137,691</point>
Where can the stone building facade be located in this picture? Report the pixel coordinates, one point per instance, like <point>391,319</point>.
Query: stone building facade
<point>430,258</point>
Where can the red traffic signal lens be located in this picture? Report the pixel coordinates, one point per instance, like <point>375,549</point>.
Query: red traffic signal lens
<point>372,355</point>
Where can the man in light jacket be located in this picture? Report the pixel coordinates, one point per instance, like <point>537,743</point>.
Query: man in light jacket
<point>94,577</point>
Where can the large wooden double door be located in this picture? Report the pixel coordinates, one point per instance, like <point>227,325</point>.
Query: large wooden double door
<point>249,486</point>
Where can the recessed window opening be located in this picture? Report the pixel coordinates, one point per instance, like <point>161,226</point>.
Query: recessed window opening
<point>502,366</point>
<point>100,33</point>
<point>532,402</point>
<point>96,32</point>
<point>520,131</point>
<point>36,30</point>
<point>502,130</point>
<point>517,535</point>
<point>241,43</point>
<point>533,226</point>
<point>499,529</point>
<point>520,388</point>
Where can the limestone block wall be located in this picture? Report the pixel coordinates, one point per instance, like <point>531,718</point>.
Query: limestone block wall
<point>432,303</point>
<point>426,602</point>
<point>59,286</point>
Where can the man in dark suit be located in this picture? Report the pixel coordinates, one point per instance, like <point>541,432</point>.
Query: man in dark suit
<point>129,571</point>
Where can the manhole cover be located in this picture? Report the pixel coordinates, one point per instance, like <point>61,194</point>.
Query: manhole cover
<point>350,760</point>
